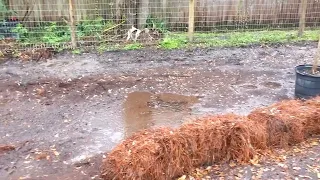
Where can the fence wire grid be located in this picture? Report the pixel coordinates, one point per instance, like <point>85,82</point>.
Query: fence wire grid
<point>93,23</point>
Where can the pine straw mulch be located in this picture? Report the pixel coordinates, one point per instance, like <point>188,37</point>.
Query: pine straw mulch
<point>166,153</point>
<point>5,148</point>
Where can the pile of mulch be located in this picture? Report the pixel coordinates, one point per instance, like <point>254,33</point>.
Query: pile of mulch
<point>166,153</point>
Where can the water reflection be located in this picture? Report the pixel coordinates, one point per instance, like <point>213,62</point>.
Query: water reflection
<point>143,110</point>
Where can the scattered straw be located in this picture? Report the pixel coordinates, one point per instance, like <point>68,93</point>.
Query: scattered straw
<point>6,148</point>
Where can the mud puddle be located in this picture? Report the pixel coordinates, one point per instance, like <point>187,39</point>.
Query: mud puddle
<point>110,122</point>
<point>143,110</point>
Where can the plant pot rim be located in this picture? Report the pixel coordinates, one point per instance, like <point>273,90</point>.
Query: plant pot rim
<point>299,67</point>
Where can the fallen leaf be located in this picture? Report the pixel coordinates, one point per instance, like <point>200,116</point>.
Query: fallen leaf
<point>296,168</point>
<point>216,168</point>
<point>315,143</point>
<point>255,161</point>
<point>40,91</point>
<point>209,168</point>
<point>221,174</point>
<point>183,177</point>
<point>296,150</point>
<point>283,165</point>
<point>305,177</point>
<point>56,153</point>
<point>42,156</point>
<point>282,158</point>
<point>232,164</point>
<point>94,177</point>
<point>24,177</point>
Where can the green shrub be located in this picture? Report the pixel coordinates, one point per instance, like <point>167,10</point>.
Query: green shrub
<point>93,28</point>
<point>156,24</point>
<point>54,34</point>
<point>22,32</point>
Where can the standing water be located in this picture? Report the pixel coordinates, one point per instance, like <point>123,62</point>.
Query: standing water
<point>143,110</point>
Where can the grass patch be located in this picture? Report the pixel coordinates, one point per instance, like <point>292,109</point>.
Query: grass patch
<point>134,46</point>
<point>174,41</point>
<point>236,39</point>
<point>76,51</point>
<point>104,47</point>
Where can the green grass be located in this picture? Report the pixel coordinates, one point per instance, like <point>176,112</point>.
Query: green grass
<point>134,46</point>
<point>174,41</point>
<point>104,47</point>
<point>236,39</point>
<point>76,51</point>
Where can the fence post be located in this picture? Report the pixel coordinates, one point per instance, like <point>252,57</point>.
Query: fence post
<point>72,24</point>
<point>191,20</point>
<point>142,13</point>
<point>302,21</point>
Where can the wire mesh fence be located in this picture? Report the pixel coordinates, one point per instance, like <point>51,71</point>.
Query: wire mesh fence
<point>111,23</point>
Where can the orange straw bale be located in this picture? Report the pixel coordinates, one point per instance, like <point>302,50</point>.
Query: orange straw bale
<point>165,153</point>
<point>219,138</point>
<point>288,122</point>
<point>151,154</point>
<point>312,124</point>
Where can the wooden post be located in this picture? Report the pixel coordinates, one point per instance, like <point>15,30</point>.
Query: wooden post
<point>164,8</point>
<point>302,21</point>
<point>72,24</point>
<point>191,20</point>
<point>316,59</point>
<point>142,13</point>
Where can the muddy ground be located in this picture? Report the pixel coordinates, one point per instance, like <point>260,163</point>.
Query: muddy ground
<point>63,113</point>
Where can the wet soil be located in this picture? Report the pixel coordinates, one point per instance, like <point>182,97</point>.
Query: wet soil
<point>62,114</point>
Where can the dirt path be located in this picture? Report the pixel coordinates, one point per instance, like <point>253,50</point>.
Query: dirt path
<point>62,112</point>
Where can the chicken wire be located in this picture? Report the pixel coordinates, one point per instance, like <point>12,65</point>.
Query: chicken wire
<point>37,24</point>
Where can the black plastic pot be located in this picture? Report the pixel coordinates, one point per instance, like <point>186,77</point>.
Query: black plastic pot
<point>6,29</point>
<point>307,85</point>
